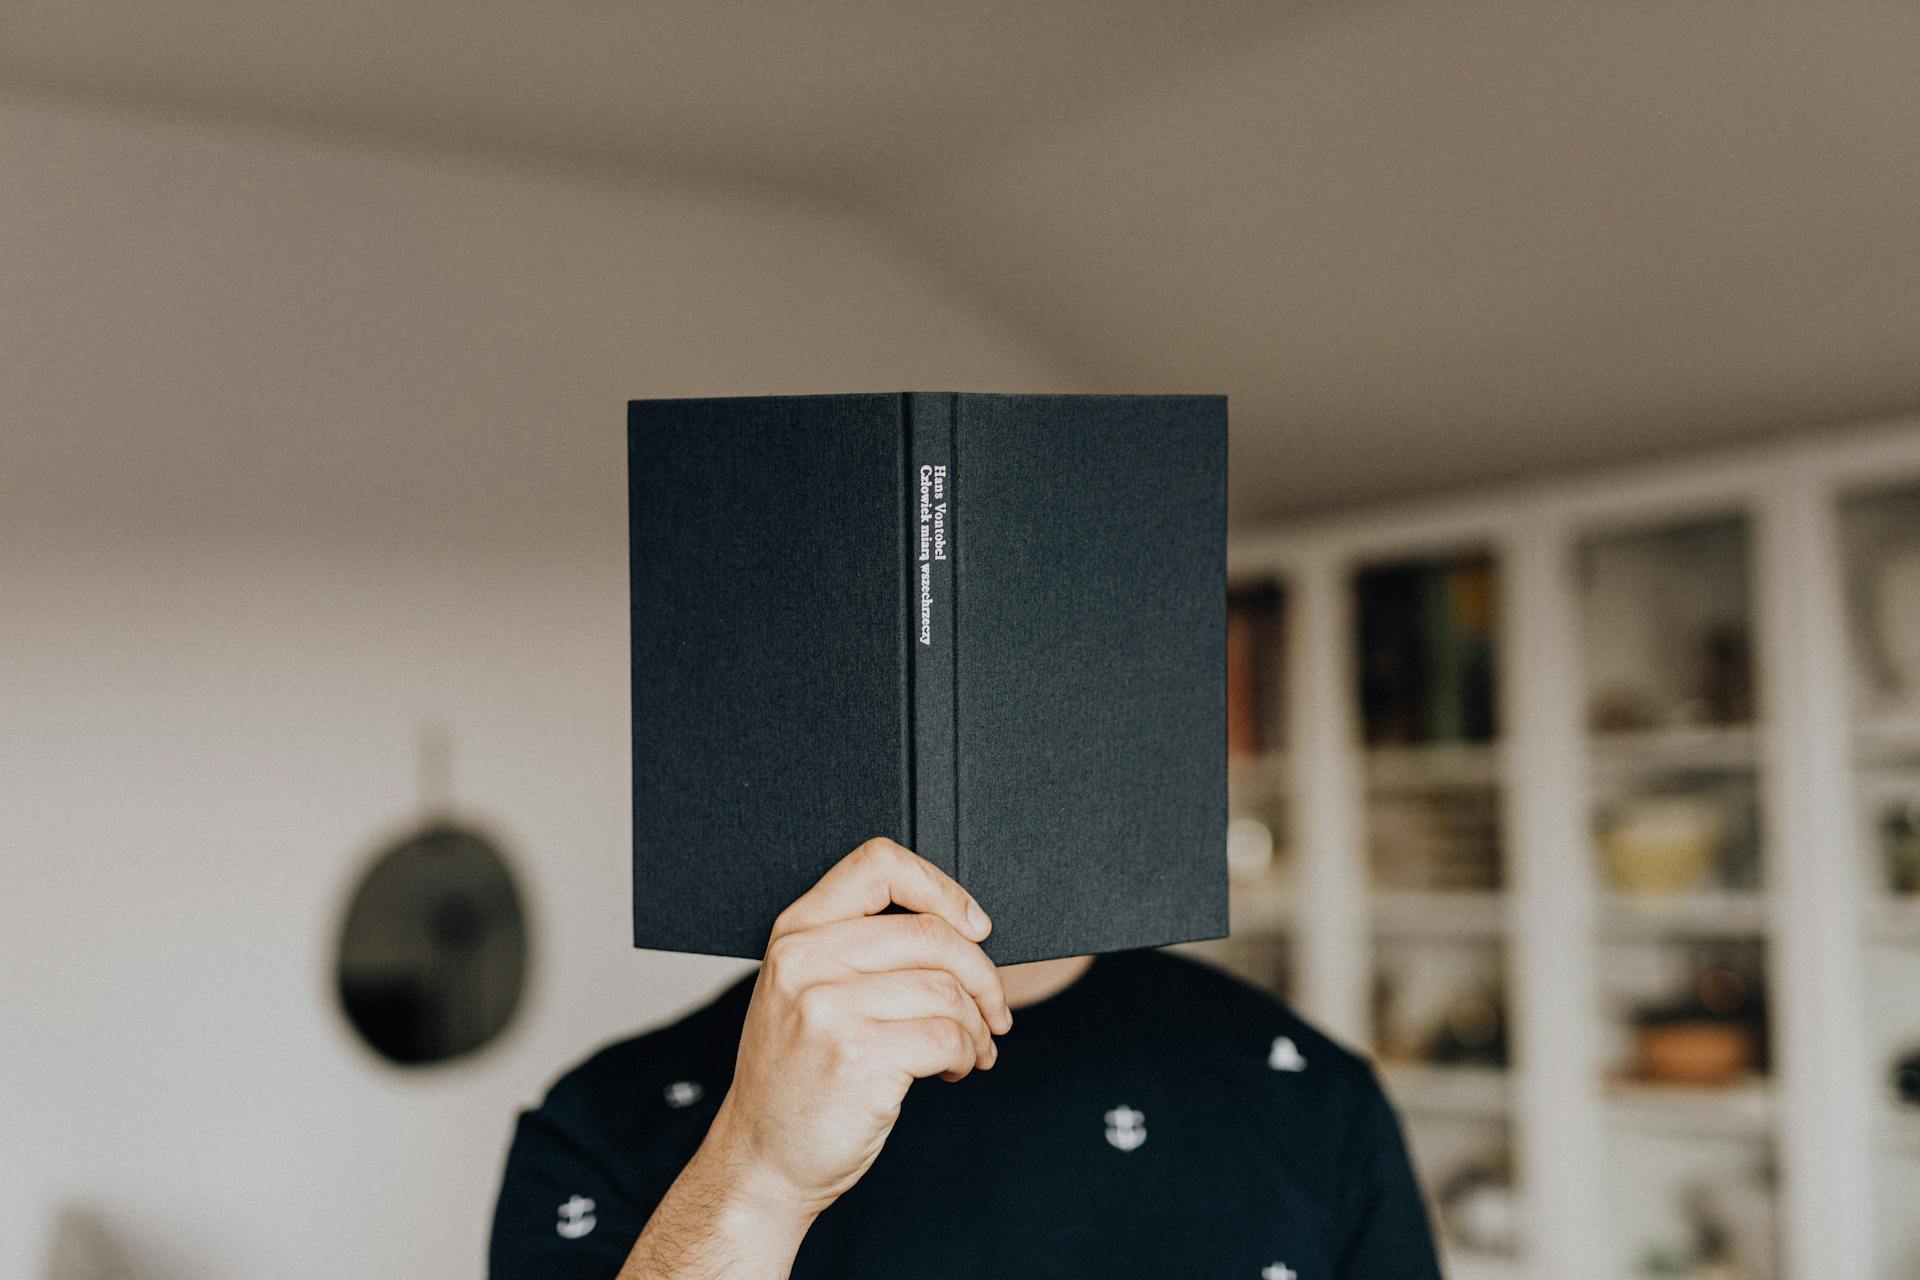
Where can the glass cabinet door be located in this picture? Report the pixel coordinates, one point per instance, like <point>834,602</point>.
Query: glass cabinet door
<point>1678,862</point>
<point>1425,661</point>
<point>1880,540</point>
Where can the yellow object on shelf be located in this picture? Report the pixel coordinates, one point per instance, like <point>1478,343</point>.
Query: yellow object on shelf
<point>1663,844</point>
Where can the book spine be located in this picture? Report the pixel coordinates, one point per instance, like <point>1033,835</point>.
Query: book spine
<point>930,543</point>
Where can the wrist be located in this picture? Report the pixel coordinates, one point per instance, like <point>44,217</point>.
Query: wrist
<point>754,1200</point>
<point>723,1217</point>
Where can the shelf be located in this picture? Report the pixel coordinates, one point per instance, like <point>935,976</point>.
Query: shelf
<point>1679,1111</point>
<point>1887,741</point>
<point>1259,907</point>
<point>1443,766</point>
<point>1693,749</point>
<point>1475,1092</point>
<point>1640,917</point>
<point>1265,774</point>
<point>1412,913</point>
<point>1468,1264</point>
<point>1894,922</point>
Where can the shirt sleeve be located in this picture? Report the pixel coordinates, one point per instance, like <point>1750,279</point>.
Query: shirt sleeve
<point>560,1215</point>
<point>1391,1237</point>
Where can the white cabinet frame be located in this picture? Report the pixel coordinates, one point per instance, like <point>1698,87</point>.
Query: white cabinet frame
<point>1790,493</point>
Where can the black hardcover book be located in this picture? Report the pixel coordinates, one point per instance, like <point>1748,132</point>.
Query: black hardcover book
<point>991,627</point>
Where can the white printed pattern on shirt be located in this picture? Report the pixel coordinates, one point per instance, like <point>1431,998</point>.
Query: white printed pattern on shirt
<point>576,1218</point>
<point>1126,1128</point>
<point>1285,1055</point>
<point>684,1093</point>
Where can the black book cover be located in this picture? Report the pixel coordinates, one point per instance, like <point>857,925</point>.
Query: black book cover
<point>991,627</point>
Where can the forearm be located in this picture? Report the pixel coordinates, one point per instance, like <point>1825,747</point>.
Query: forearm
<point>717,1222</point>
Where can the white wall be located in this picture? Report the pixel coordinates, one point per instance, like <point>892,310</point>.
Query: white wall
<point>305,443</point>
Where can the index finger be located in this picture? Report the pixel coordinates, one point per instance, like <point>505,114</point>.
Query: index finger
<point>880,873</point>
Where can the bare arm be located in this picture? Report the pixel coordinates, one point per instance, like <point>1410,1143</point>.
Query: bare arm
<point>850,1007</point>
<point>712,1225</point>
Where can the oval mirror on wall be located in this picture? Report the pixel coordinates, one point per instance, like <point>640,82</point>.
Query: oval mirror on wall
<point>433,950</point>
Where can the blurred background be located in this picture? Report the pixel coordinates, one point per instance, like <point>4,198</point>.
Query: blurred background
<point>1575,639</point>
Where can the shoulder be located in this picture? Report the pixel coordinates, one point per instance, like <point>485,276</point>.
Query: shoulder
<point>1250,1045</point>
<point>665,1078</point>
<point>1291,1081</point>
<point>585,1167</point>
<point>1189,1000</point>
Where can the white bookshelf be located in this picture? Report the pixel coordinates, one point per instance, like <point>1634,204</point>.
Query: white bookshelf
<point>1702,749</point>
<point>1599,1157</point>
<point>1465,1265</point>
<point>1465,914</point>
<point>1699,914</point>
<point>1479,1092</point>
<point>1743,1110</point>
<point>1895,924</point>
<point>1439,767</point>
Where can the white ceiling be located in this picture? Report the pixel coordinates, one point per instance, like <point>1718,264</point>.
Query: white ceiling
<point>1419,245</point>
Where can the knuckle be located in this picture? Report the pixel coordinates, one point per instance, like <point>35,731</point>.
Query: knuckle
<point>975,973</point>
<point>878,853</point>
<point>815,1010</point>
<point>784,964</point>
<point>954,993</point>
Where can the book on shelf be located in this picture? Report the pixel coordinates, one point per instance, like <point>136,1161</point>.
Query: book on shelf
<point>1256,669</point>
<point>1425,634</point>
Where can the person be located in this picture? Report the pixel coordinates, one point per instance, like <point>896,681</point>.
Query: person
<point>1121,1115</point>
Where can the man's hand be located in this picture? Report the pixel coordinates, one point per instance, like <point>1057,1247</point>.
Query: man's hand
<point>850,1007</point>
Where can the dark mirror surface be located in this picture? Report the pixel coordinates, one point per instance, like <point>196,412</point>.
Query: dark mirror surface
<point>433,951</point>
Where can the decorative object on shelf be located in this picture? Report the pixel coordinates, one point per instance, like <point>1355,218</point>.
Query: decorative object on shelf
<point>1472,1032</point>
<point>1734,1224</point>
<point>1480,1209</point>
<point>1666,638</point>
<point>1904,1078</point>
<point>1693,1051</point>
<point>1256,669</point>
<point>1900,845</point>
<point>1661,843</point>
<point>1623,710</point>
<point>1714,1034</point>
<point>1249,849</point>
<point>1730,1230</point>
<point>1439,1005</point>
